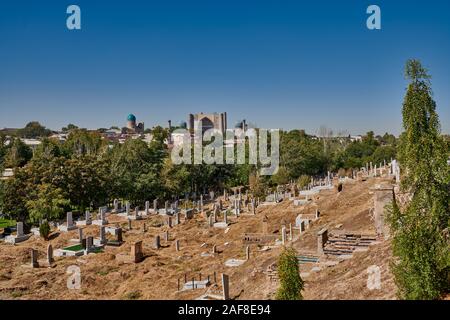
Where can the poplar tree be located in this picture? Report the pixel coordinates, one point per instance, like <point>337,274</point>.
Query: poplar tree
<point>291,284</point>
<point>420,230</point>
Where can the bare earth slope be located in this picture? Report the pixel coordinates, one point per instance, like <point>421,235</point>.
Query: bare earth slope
<point>104,277</point>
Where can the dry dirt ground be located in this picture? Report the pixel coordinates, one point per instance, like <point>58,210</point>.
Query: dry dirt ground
<point>104,277</point>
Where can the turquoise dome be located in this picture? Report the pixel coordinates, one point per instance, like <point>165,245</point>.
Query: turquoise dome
<point>131,117</point>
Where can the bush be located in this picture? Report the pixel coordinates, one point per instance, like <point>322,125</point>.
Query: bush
<point>303,181</point>
<point>291,284</point>
<point>44,229</point>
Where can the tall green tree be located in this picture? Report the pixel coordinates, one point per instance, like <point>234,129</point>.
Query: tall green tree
<point>49,203</point>
<point>18,154</point>
<point>33,130</point>
<point>421,231</point>
<point>291,284</point>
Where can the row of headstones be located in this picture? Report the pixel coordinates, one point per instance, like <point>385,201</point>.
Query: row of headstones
<point>373,170</point>
<point>34,257</point>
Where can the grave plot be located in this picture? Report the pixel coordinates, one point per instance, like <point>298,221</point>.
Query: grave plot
<point>344,244</point>
<point>259,238</point>
<point>136,254</point>
<point>69,224</point>
<point>19,236</point>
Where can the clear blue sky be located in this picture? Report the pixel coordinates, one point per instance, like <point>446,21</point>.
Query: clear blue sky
<point>278,64</point>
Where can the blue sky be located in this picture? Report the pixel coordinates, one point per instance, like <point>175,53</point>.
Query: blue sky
<point>278,64</point>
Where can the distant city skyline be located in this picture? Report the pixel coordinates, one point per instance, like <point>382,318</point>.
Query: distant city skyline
<point>277,64</point>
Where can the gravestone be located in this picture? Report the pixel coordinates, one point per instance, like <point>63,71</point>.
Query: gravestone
<point>147,207</point>
<point>225,287</point>
<point>136,252</point>
<point>301,227</point>
<point>155,205</point>
<point>177,245</point>
<point>102,235</point>
<point>19,229</point>
<point>384,194</point>
<point>50,259</point>
<point>157,243</point>
<point>80,235</point>
<point>166,236</point>
<point>116,205</point>
<point>247,253</point>
<point>177,218</point>
<point>88,217</point>
<point>127,208</point>
<point>211,220</point>
<point>69,223</point>
<point>283,235</point>
<point>322,238</point>
<point>89,244</point>
<point>34,258</point>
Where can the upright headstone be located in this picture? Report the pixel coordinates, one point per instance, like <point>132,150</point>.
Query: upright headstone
<point>155,205</point>
<point>283,235</point>
<point>69,220</point>
<point>177,218</point>
<point>127,208</point>
<point>147,207</point>
<point>34,258</point>
<point>177,245</point>
<point>89,243</point>
<point>225,219</point>
<point>50,259</point>
<point>225,287</point>
<point>247,253</point>
<point>211,220</point>
<point>102,235</point>
<point>166,236</point>
<point>322,238</point>
<point>80,235</point>
<point>88,217</point>
<point>136,252</point>
<point>19,229</point>
<point>136,212</point>
<point>116,205</point>
<point>157,244</point>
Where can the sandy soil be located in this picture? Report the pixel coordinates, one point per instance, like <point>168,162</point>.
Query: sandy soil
<point>104,277</point>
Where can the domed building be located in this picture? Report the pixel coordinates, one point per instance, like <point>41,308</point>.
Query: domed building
<point>132,126</point>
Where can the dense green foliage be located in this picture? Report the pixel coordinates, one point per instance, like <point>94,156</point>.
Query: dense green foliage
<point>33,130</point>
<point>86,171</point>
<point>291,284</point>
<point>421,230</point>
<point>44,229</point>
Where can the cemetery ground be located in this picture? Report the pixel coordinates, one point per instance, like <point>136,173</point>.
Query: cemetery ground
<point>163,271</point>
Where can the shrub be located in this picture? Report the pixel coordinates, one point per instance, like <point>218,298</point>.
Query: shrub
<point>291,284</point>
<point>303,181</point>
<point>44,229</point>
